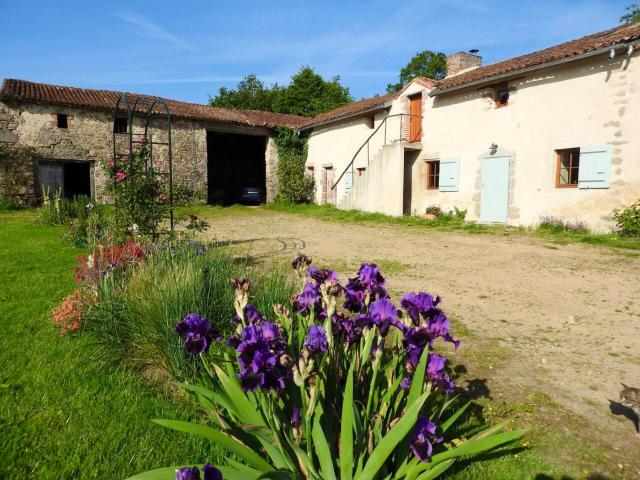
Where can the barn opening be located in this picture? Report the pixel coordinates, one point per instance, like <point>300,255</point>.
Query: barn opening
<point>71,179</point>
<point>236,168</point>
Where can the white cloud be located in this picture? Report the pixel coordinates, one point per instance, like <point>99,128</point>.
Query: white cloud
<point>152,30</point>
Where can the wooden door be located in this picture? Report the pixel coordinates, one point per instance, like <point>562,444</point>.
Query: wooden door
<point>50,178</point>
<point>415,120</point>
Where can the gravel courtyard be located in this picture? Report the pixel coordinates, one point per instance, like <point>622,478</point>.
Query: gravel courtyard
<point>563,319</point>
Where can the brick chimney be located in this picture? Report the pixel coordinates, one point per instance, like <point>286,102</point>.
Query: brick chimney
<point>462,61</point>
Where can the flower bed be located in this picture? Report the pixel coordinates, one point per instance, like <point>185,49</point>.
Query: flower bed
<point>341,384</point>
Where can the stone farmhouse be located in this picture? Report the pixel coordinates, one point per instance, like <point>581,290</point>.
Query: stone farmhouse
<point>554,132</point>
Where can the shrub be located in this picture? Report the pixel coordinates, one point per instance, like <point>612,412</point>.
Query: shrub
<point>628,219</point>
<point>341,383</point>
<point>58,210</point>
<point>138,307</point>
<point>551,224</point>
<point>8,205</point>
<point>71,312</point>
<point>434,210</point>
<point>294,186</point>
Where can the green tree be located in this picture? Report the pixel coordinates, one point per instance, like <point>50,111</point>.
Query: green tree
<point>424,64</point>
<point>307,94</point>
<point>250,94</point>
<point>632,15</point>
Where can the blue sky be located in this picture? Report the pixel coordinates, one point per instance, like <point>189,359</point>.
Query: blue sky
<point>188,49</point>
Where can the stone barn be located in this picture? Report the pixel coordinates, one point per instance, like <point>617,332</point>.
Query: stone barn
<point>220,155</point>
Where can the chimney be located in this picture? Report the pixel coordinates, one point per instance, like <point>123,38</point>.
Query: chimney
<point>462,61</point>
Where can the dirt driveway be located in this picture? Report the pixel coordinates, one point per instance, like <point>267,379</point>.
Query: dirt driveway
<point>565,317</point>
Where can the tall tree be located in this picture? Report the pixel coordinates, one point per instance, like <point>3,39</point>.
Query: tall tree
<point>307,94</point>
<point>250,94</point>
<point>424,64</point>
<point>632,15</point>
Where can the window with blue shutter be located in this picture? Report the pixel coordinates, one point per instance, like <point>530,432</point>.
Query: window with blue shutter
<point>595,166</point>
<point>348,178</point>
<point>449,174</point>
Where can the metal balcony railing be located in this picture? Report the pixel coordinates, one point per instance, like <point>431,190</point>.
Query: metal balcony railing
<point>386,141</point>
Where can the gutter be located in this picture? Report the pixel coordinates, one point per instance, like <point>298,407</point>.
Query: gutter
<point>532,68</point>
<point>382,106</point>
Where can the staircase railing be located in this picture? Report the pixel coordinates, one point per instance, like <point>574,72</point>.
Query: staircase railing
<point>366,143</point>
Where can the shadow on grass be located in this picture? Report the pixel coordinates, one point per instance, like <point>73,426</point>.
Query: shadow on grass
<point>590,476</point>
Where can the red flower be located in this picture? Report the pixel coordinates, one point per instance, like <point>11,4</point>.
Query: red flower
<point>120,176</point>
<point>193,218</point>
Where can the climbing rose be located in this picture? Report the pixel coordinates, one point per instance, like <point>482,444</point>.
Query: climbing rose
<point>423,438</point>
<point>120,176</point>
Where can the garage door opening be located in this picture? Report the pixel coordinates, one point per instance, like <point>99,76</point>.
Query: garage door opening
<point>236,168</point>
<point>71,179</point>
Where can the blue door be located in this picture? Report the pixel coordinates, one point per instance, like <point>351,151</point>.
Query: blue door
<point>495,189</point>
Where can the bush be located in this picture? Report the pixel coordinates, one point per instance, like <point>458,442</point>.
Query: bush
<point>138,307</point>
<point>294,186</point>
<point>6,205</point>
<point>339,384</point>
<point>628,219</point>
<point>58,210</point>
<point>455,215</point>
<point>551,224</point>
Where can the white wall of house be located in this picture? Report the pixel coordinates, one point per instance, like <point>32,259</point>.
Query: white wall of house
<point>583,103</point>
<point>594,101</point>
<point>334,145</point>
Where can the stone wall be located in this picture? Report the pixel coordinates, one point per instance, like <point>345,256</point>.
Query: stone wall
<point>89,138</point>
<point>17,173</point>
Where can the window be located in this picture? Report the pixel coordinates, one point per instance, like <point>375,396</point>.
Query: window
<point>361,171</point>
<point>370,121</point>
<point>433,174</point>
<point>120,125</point>
<point>62,120</point>
<point>310,170</point>
<point>567,167</point>
<point>501,95</point>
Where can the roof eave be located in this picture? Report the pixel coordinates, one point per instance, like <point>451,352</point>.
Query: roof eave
<point>382,106</point>
<point>520,71</point>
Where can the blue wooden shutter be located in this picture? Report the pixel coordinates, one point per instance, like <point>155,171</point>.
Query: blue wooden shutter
<point>348,178</point>
<point>595,166</point>
<point>449,174</point>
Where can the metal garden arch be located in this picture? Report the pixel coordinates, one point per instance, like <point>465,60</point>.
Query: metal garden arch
<point>144,107</point>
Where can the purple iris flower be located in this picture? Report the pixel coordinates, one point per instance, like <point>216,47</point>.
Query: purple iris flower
<point>435,366</point>
<point>355,293</point>
<point>370,275</point>
<point>252,314</point>
<point>259,349</point>
<point>349,328</point>
<point>415,340</point>
<point>188,473</point>
<point>322,275</point>
<point>417,304</point>
<point>197,333</point>
<point>308,299</point>
<point>316,341</point>
<point>296,421</point>
<point>383,313</point>
<point>300,261</point>
<point>423,438</point>
<point>405,383</point>
<point>211,473</point>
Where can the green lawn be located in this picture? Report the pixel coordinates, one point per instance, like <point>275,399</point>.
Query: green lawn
<point>63,417</point>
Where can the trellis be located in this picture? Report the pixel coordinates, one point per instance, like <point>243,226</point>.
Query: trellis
<point>144,107</point>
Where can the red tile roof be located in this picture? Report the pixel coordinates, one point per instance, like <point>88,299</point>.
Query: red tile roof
<point>351,109</point>
<point>41,93</point>
<point>597,41</point>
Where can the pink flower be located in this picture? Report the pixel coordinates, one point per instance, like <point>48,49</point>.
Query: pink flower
<point>112,164</point>
<point>120,176</point>
<point>193,218</point>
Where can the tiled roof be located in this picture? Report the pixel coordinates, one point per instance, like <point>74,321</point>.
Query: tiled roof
<point>597,41</point>
<point>351,109</point>
<point>25,91</point>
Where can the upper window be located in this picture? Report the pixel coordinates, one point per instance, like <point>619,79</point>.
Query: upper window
<point>568,166</point>
<point>501,95</point>
<point>433,174</point>
<point>62,120</point>
<point>361,171</point>
<point>120,125</point>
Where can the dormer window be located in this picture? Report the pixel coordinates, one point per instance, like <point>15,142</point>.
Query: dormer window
<point>501,95</point>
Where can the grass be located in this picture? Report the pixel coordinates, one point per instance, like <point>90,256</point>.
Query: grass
<point>331,213</point>
<point>61,417</point>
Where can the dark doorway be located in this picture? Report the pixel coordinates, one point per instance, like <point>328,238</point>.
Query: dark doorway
<point>71,179</point>
<point>236,168</point>
<point>410,157</point>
